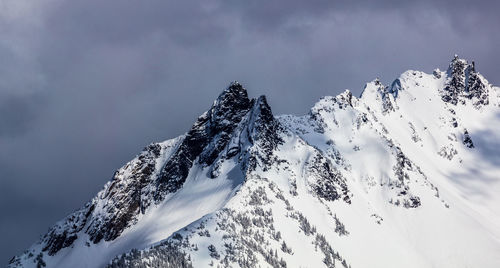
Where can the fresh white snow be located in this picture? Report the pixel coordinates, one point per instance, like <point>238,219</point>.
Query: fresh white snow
<point>456,224</point>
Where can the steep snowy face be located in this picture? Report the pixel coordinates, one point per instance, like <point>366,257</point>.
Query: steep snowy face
<point>403,176</point>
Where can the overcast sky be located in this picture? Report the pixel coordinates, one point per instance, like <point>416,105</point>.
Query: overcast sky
<point>85,85</point>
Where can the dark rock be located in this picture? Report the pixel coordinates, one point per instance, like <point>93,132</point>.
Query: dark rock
<point>206,139</point>
<point>329,185</point>
<point>122,199</point>
<point>412,202</point>
<point>264,133</point>
<point>384,93</point>
<point>467,140</point>
<point>464,83</point>
<point>475,90</point>
<point>456,83</point>
<point>64,233</point>
<point>395,88</point>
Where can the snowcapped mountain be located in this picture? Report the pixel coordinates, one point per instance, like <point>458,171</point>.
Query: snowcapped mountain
<point>406,175</point>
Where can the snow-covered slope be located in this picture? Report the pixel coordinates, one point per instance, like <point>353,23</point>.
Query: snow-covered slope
<point>406,175</point>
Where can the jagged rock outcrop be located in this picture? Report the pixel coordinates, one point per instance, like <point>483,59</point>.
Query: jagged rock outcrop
<point>263,132</point>
<point>64,233</point>
<point>464,83</point>
<point>475,87</point>
<point>123,199</point>
<point>206,139</point>
<point>387,105</point>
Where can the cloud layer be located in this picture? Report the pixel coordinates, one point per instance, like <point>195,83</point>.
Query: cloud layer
<point>84,85</point>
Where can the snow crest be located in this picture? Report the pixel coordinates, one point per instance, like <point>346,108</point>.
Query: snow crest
<point>406,175</point>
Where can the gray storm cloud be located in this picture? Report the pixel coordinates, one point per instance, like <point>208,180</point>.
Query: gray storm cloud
<point>84,85</point>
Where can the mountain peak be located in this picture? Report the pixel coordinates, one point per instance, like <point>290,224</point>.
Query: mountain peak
<point>229,105</point>
<point>457,64</point>
<point>464,83</point>
<point>235,91</point>
<point>206,139</point>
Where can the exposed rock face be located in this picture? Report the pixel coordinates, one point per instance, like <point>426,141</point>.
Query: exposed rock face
<point>328,182</point>
<point>117,204</point>
<point>264,133</point>
<point>66,231</point>
<point>206,139</point>
<point>475,89</point>
<point>464,83</point>
<point>467,140</point>
<point>456,83</point>
<point>123,199</point>
<point>395,88</point>
<point>387,105</point>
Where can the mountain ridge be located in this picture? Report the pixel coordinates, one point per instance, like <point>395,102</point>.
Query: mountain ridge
<point>240,169</point>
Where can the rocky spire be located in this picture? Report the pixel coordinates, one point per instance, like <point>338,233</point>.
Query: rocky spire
<point>228,107</point>
<point>456,83</point>
<point>206,139</point>
<point>263,132</point>
<point>464,83</point>
<point>475,88</point>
